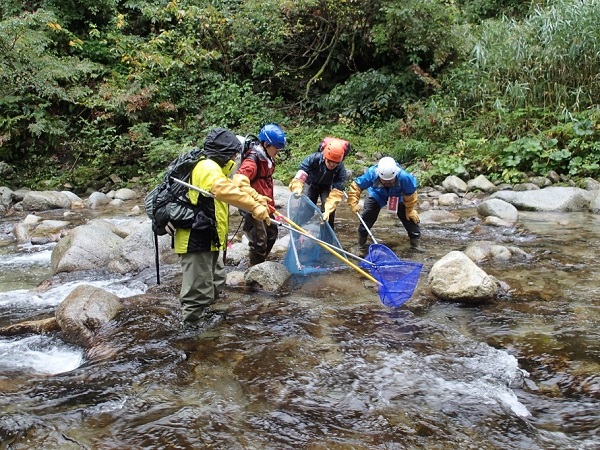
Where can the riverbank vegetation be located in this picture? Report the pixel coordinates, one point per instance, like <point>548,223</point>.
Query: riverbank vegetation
<point>503,88</point>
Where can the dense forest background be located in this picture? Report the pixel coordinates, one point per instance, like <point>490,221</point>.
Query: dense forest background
<point>91,89</point>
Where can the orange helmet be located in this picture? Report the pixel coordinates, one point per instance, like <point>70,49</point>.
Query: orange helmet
<point>334,149</point>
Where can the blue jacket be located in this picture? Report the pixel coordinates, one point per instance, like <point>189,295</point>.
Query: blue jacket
<point>314,166</point>
<point>406,184</point>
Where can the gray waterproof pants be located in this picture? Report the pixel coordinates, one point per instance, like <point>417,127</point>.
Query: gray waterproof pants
<point>203,279</point>
<point>261,238</point>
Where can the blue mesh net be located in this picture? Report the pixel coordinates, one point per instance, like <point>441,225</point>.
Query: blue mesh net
<point>304,255</point>
<point>398,279</point>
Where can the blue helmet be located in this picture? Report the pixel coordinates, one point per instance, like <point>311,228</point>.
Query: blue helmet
<point>272,135</point>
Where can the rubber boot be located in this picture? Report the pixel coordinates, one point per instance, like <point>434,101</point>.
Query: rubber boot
<point>362,241</point>
<point>361,246</point>
<point>415,245</point>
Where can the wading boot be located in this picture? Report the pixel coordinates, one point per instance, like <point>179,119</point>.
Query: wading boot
<point>361,247</point>
<point>415,245</point>
<point>362,242</point>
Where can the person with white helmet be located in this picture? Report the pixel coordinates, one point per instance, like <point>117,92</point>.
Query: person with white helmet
<point>322,175</point>
<point>387,184</point>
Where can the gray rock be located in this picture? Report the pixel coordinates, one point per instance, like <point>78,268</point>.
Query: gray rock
<point>595,202</point>
<point>136,251</point>
<point>84,311</point>
<point>480,251</point>
<point>74,197</point>
<point>493,221</point>
<point>481,183</point>
<point>525,187</point>
<point>539,181</point>
<point>589,184</point>
<point>87,247</point>
<point>126,194</point>
<point>454,184</point>
<point>97,199</point>
<point>450,199</point>
<point>269,276</point>
<point>45,200</point>
<point>434,216</point>
<point>455,277</point>
<point>6,196</point>
<point>498,208</point>
<point>548,199</point>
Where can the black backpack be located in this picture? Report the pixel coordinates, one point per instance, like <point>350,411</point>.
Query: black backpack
<point>169,201</point>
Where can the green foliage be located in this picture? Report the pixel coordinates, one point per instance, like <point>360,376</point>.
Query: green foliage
<point>371,95</point>
<point>81,11</point>
<point>419,32</point>
<point>476,10</point>
<point>88,89</point>
<point>550,59</point>
<point>35,82</point>
<point>233,105</point>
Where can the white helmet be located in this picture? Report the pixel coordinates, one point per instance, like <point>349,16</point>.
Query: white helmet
<point>387,169</point>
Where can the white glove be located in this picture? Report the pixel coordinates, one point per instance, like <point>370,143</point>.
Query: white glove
<point>170,229</point>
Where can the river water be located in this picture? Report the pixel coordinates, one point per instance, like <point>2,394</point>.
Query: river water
<point>325,365</point>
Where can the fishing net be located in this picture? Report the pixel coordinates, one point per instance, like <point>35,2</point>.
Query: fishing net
<point>398,279</point>
<point>304,255</point>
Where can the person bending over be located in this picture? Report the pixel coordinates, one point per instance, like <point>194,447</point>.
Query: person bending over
<point>387,184</point>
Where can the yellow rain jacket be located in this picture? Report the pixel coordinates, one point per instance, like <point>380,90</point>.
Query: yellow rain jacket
<point>212,223</point>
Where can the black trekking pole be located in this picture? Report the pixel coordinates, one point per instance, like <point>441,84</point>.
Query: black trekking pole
<point>156,262</point>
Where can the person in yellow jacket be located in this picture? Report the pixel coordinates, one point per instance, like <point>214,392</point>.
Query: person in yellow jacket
<point>200,247</point>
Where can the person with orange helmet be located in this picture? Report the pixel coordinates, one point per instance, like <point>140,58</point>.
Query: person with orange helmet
<point>322,175</point>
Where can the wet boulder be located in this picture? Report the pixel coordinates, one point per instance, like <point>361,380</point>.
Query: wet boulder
<point>37,231</point>
<point>22,230</point>
<point>436,216</point>
<point>449,199</point>
<point>136,251</point>
<point>493,221</point>
<point>269,276</point>
<point>84,311</point>
<point>41,326</point>
<point>6,196</point>
<point>45,200</point>
<point>481,183</point>
<point>454,184</point>
<point>48,231</point>
<point>235,278</point>
<point>498,208</point>
<point>97,199</point>
<point>548,199</point>
<point>281,194</point>
<point>456,278</point>
<point>237,252</point>
<point>595,202</point>
<point>87,247</point>
<point>480,251</point>
<point>126,194</point>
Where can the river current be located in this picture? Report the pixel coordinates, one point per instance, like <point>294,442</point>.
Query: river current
<point>324,365</point>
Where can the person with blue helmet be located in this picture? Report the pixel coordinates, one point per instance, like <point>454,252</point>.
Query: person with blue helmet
<point>256,171</point>
<point>387,184</point>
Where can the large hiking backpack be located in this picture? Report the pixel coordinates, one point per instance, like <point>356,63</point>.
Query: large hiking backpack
<point>169,201</point>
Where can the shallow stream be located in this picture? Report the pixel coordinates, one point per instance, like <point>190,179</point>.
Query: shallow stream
<point>325,366</point>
